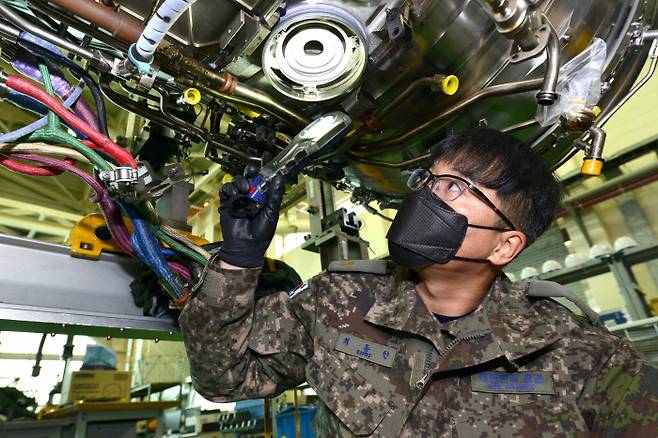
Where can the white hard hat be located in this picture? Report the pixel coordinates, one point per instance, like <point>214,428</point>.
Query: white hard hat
<point>550,266</point>
<point>511,277</point>
<point>529,272</point>
<point>624,242</point>
<point>598,250</point>
<point>573,260</point>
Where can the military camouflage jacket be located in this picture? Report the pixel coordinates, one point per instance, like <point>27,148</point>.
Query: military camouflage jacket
<point>384,366</point>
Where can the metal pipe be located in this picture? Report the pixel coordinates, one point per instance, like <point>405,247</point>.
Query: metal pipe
<point>390,165</point>
<point>88,29</point>
<point>491,91</point>
<point>595,151</point>
<point>650,35</point>
<point>548,93</point>
<point>8,32</point>
<point>253,95</point>
<point>354,138</point>
<point>255,98</point>
<point>653,54</point>
<point>519,126</point>
<point>13,17</point>
<point>119,25</point>
<point>411,89</point>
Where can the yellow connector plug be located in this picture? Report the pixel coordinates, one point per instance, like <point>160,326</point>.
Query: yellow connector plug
<point>592,167</point>
<point>191,96</point>
<point>450,85</point>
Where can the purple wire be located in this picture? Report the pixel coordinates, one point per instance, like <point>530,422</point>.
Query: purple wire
<point>110,210</point>
<point>26,63</point>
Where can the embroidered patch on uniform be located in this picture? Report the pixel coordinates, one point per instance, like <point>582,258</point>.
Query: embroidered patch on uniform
<point>299,289</point>
<point>537,382</point>
<point>364,349</point>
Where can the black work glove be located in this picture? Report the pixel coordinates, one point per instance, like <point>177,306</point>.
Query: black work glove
<point>247,228</point>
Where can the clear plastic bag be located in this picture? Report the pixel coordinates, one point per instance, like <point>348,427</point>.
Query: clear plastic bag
<point>579,83</point>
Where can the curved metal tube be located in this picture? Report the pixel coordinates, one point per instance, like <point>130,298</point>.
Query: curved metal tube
<point>492,91</point>
<point>157,117</point>
<point>548,93</point>
<point>19,21</point>
<point>653,54</point>
<point>266,101</point>
<point>247,96</point>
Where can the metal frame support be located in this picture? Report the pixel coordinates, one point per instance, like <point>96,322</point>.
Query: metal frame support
<point>332,237</point>
<point>43,289</point>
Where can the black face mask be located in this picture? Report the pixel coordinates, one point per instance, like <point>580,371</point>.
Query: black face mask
<point>427,231</point>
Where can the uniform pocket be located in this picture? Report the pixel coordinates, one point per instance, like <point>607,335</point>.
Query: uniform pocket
<point>359,404</point>
<point>538,419</point>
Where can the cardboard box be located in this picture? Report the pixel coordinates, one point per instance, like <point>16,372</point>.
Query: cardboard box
<point>105,385</point>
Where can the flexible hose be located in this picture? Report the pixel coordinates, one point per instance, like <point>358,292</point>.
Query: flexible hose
<point>29,169</point>
<point>25,130</point>
<point>156,29</point>
<point>24,62</point>
<point>42,149</point>
<point>114,150</point>
<point>110,211</point>
<point>49,51</point>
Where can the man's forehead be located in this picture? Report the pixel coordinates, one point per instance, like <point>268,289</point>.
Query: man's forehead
<point>443,166</point>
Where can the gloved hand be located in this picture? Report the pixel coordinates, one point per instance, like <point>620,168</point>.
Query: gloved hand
<point>247,229</point>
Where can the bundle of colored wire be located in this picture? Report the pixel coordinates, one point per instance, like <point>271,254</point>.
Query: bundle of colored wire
<point>172,232</point>
<point>110,211</point>
<point>107,145</point>
<point>49,51</point>
<point>26,62</point>
<point>42,149</point>
<point>25,130</point>
<point>149,251</point>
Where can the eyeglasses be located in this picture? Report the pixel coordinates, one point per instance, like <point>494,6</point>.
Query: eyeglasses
<point>450,187</point>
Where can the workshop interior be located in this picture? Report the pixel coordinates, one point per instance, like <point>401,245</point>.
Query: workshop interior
<point>121,119</point>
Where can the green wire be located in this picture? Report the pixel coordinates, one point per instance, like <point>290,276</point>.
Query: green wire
<point>53,132</point>
<point>180,248</point>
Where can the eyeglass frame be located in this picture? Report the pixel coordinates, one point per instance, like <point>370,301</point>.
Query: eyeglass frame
<point>431,180</point>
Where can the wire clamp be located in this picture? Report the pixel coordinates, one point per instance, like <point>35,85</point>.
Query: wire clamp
<point>120,181</point>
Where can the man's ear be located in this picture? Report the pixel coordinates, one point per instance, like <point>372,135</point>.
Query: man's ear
<point>511,243</point>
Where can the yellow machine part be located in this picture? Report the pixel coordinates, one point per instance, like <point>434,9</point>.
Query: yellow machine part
<point>91,236</point>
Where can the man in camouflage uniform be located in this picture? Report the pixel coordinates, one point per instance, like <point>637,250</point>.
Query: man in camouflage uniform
<point>449,347</point>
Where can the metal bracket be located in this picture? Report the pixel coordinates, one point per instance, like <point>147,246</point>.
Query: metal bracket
<point>543,34</point>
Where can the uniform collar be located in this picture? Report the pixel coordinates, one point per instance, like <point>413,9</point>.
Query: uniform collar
<point>398,306</point>
<point>516,328</point>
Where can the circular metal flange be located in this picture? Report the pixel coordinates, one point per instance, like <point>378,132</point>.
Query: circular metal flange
<point>315,55</point>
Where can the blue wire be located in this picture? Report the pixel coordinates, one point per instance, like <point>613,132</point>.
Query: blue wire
<point>149,250</point>
<point>26,130</point>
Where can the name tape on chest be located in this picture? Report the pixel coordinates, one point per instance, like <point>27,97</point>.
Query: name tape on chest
<point>532,382</point>
<point>364,349</point>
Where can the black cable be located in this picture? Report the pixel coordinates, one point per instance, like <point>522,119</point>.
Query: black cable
<point>80,73</point>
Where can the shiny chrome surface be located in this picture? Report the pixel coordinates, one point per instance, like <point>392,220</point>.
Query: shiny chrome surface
<point>408,40</point>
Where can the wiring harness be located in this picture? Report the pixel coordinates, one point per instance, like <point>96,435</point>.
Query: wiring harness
<point>69,137</point>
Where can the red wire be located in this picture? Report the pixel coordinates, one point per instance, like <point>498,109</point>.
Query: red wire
<point>31,170</point>
<point>25,86</point>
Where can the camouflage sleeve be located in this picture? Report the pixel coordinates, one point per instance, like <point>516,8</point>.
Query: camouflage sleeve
<point>621,397</point>
<point>239,348</point>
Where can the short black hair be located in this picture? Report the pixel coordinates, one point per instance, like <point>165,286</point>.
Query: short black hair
<point>530,195</point>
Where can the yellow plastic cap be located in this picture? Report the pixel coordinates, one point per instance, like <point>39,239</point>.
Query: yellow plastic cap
<point>591,167</point>
<point>450,85</point>
<point>192,96</point>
